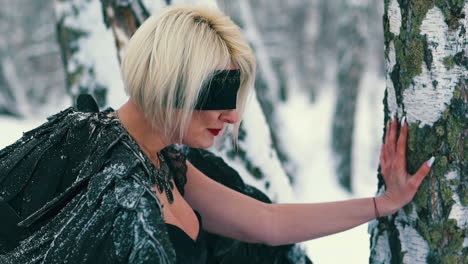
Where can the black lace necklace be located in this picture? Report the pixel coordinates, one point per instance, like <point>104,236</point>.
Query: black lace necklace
<point>160,177</point>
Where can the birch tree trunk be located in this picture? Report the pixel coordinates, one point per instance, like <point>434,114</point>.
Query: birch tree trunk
<point>427,77</point>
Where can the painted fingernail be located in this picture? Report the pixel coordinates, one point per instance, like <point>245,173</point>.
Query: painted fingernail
<point>403,120</point>
<point>430,162</point>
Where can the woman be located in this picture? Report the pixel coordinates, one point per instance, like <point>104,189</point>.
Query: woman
<point>98,187</point>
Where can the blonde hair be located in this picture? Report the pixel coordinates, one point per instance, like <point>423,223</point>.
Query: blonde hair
<point>173,54</point>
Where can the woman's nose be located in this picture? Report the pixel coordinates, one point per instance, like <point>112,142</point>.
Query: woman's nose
<point>229,116</point>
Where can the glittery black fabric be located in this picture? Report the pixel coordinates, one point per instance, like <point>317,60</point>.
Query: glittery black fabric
<point>80,189</point>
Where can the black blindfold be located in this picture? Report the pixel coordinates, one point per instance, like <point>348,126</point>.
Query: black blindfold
<point>220,92</point>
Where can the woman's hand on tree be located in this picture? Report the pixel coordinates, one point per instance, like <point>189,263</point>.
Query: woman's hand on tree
<point>400,185</point>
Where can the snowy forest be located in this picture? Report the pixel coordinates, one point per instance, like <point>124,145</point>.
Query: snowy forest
<point>330,76</point>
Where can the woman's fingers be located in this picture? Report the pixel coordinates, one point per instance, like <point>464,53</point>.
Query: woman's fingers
<point>391,136</point>
<point>402,139</point>
<point>419,176</point>
<point>393,163</point>
<point>387,132</point>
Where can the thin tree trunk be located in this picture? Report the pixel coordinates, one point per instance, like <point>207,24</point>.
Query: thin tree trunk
<point>427,77</point>
<point>351,59</point>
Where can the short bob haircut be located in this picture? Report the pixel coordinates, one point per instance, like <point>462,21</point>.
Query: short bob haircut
<point>172,55</point>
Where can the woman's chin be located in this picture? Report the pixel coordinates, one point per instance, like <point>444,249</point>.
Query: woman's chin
<point>206,145</point>
<point>202,145</point>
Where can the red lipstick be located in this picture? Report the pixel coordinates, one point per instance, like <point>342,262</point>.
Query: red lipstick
<point>214,131</point>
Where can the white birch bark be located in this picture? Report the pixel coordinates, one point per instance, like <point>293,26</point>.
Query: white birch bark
<point>432,228</point>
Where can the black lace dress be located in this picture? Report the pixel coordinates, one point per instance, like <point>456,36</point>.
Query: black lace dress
<point>77,189</point>
<point>187,249</point>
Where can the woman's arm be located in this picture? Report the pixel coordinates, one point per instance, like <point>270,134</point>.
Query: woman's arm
<point>229,213</point>
<point>225,211</point>
<point>293,223</point>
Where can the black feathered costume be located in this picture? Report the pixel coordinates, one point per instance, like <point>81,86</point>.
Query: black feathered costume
<point>80,188</point>
<point>77,189</point>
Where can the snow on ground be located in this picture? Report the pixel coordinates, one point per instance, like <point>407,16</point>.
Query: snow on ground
<point>13,128</point>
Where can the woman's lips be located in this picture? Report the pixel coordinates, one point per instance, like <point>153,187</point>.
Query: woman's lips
<point>214,131</point>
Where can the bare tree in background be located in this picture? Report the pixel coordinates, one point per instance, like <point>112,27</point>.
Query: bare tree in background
<point>350,48</point>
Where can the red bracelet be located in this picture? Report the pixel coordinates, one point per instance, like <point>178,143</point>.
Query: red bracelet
<point>377,215</point>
